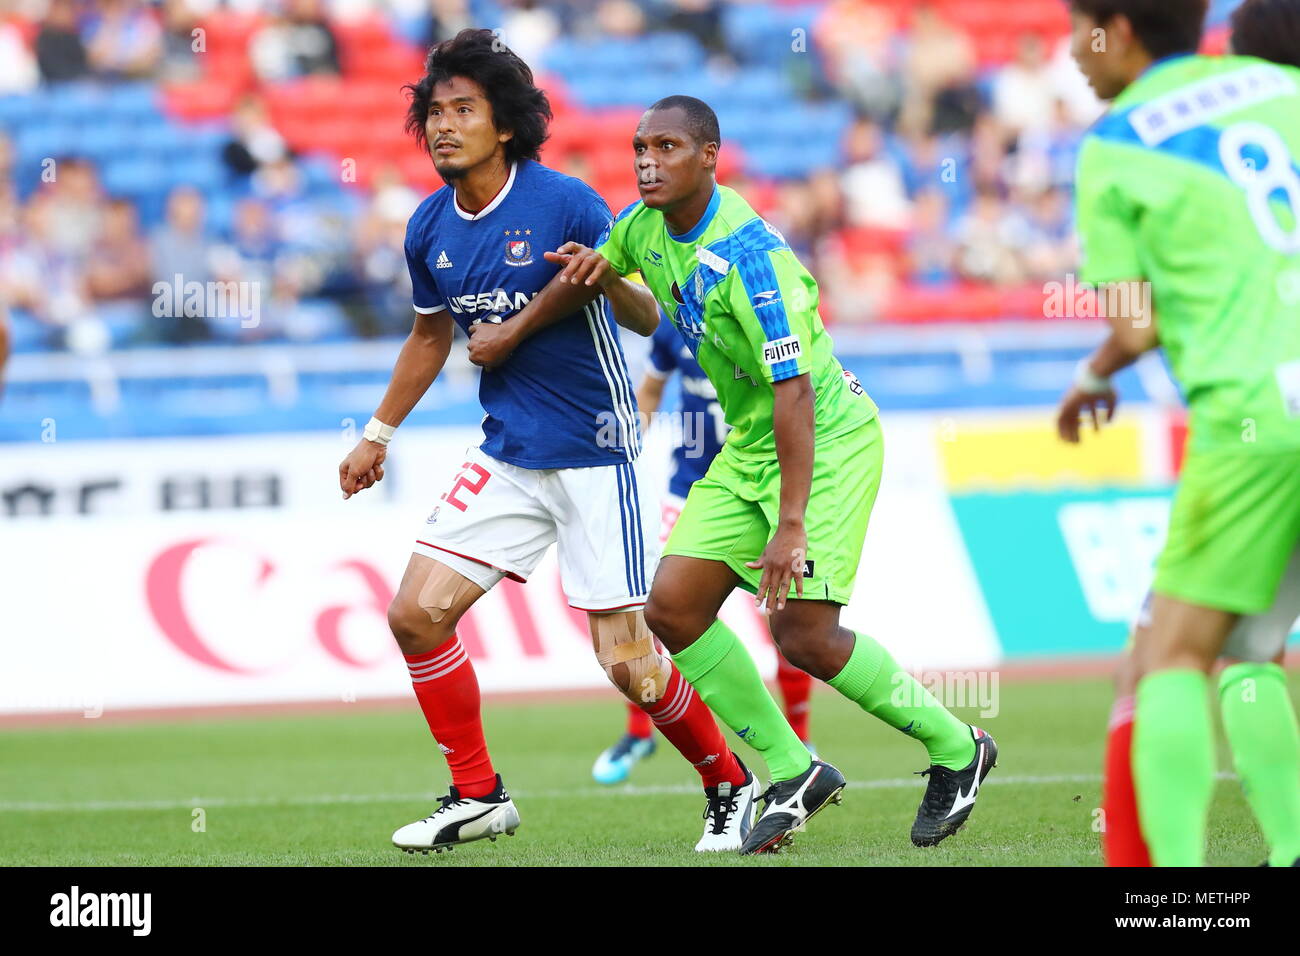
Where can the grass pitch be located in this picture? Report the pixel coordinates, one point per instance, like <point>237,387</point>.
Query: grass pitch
<point>329,789</point>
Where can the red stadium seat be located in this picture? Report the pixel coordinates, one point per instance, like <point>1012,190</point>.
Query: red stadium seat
<point>202,99</point>
<point>865,241</point>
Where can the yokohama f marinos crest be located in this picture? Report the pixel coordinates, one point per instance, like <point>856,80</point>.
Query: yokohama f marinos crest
<point>518,252</point>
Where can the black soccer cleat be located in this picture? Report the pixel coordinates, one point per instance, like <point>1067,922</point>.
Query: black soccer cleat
<point>790,804</point>
<point>950,794</point>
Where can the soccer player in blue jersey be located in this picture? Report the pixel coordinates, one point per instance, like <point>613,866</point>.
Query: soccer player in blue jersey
<point>703,430</point>
<point>547,470</point>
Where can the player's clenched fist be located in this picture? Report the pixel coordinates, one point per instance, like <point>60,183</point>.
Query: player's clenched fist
<point>363,467</point>
<point>582,264</point>
<point>490,343</point>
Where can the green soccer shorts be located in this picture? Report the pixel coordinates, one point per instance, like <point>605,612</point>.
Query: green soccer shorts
<point>1234,526</point>
<point>731,513</point>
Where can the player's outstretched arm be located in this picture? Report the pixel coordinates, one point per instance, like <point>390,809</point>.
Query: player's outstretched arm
<point>634,305</point>
<point>490,344</point>
<point>585,277</point>
<point>794,428</point>
<point>419,362</point>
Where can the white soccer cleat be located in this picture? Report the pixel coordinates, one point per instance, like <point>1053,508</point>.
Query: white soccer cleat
<point>729,814</point>
<point>460,820</point>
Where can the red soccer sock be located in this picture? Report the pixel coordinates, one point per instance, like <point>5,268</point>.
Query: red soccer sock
<point>639,723</point>
<point>447,689</point>
<point>796,688</point>
<point>1122,840</point>
<point>689,726</point>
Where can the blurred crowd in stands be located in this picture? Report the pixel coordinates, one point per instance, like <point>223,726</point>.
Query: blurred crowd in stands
<point>952,187</point>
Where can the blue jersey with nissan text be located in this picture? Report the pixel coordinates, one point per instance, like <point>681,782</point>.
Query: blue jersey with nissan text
<point>563,399</point>
<point>703,427</point>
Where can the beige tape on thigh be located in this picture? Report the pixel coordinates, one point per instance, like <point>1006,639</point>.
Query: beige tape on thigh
<point>624,639</point>
<point>443,589</point>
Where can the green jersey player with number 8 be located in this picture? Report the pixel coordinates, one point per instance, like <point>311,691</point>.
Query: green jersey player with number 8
<point>1189,203</point>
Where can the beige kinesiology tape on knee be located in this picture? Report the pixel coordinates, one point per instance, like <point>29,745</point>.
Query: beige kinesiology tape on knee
<point>624,639</point>
<point>443,589</point>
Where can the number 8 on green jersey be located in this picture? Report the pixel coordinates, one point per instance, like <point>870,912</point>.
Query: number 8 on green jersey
<point>1190,183</point>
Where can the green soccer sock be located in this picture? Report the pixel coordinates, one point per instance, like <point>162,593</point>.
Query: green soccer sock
<point>1173,765</point>
<point>723,674</point>
<point>1261,727</point>
<point>875,682</point>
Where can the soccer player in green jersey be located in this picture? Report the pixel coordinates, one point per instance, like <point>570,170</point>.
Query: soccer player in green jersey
<point>1270,30</point>
<point>783,509</point>
<point>1189,215</point>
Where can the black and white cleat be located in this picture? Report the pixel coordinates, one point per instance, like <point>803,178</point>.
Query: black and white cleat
<point>790,804</point>
<point>729,814</point>
<point>950,794</point>
<point>460,820</point>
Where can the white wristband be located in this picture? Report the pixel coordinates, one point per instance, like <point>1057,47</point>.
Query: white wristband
<point>1088,381</point>
<point>377,431</point>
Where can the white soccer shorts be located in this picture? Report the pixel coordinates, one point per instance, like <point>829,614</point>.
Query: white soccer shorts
<point>1259,637</point>
<point>670,511</point>
<point>496,520</point>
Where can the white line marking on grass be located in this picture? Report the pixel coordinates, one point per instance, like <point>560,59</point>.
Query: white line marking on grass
<point>330,799</point>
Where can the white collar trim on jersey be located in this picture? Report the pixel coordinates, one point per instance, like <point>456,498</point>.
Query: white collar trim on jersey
<point>496,200</point>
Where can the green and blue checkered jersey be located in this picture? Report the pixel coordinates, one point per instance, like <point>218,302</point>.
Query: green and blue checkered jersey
<point>747,308</point>
<point>1190,183</point>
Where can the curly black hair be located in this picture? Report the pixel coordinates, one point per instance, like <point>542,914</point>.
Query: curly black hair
<point>518,106</point>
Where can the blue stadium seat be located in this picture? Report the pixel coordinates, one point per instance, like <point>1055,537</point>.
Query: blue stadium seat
<point>29,334</point>
<point>161,139</point>
<point>762,33</point>
<point>204,173</point>
<point>133,176</point>
<point>41,139</point>
<point>220,213</point>
<point>17,110</point>
<point>136,102</point>
<point>102,141</point>
<point>74,102</point>
<point>319,173</point>
<point>755,87</point>
<point>124,321</point>
<point>318,320</point>
<point>624,59</point>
